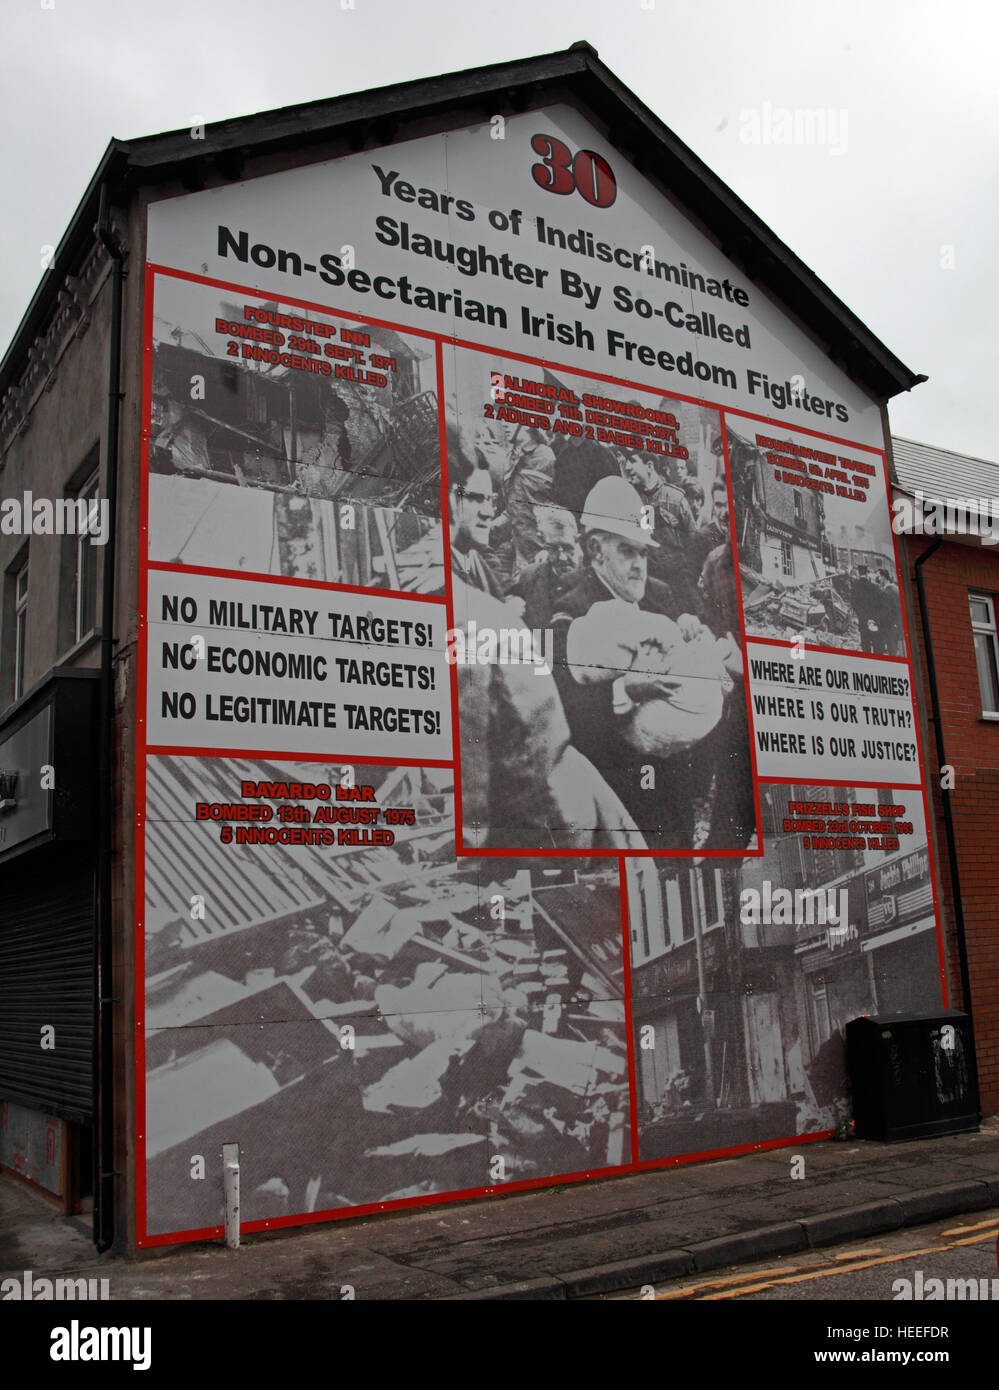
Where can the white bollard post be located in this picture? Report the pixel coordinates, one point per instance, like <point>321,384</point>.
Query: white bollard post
<point>230,1178</point>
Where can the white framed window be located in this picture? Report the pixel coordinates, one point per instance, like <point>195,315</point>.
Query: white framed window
<point>710,895</point>
<point>20,627</point>
<point>85,586</point>
<point>649,937</point>
<point>983,628</point>
<point>821,1019</point>
<point>787,557</point>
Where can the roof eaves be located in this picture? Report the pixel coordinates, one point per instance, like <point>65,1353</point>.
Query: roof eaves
<point>78,234</point>
<point>632,127</point>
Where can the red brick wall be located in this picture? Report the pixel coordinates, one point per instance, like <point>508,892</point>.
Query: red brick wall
<point>971,747</point>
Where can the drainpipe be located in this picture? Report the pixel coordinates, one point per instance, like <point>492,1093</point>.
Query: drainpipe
<point>104,1111</point>
<point>955,877</point>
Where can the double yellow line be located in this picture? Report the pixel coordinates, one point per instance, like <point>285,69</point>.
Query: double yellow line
<point>739,1285</point>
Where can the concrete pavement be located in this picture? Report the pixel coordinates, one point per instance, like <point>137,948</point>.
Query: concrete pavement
<point>556,1243</point>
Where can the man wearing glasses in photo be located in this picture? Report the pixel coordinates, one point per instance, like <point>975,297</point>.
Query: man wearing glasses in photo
<point>471,510</point>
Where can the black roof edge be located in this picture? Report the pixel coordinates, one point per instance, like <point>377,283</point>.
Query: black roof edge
<point>79,234</point>
<point>742,236</point>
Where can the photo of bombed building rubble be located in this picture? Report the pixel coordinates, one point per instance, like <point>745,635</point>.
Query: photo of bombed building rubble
<point>443,1025</point>
<point>283,472</point>
<point>812,566</point>
<point>738,1020</point>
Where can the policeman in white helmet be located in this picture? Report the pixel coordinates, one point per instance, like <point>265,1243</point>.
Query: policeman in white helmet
<point>596,681</point>
<point>618,530</point>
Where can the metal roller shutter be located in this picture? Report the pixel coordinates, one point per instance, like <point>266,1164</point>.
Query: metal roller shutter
<point>47,979</point>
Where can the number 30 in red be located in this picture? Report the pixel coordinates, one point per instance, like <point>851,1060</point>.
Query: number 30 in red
<point>562,172</point>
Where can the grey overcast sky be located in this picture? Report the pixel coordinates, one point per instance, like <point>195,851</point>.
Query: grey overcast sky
<point>897,212</point>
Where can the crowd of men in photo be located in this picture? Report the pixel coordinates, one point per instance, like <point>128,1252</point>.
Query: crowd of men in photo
<point>620,561</point>
<point>873,596</point>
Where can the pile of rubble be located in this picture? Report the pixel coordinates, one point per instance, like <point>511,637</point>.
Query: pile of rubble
<point>815,611</point>
<point>404,1024</point>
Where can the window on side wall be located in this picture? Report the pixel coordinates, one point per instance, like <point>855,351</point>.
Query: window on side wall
<point>85,582</point>
<point>20,627</point>
<point>983,628</point>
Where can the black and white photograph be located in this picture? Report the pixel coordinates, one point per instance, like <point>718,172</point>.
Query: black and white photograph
<point>298,462</point>
<point>376,1023</point>
<point>596,522</point>
<point>816,566</point>
<point>745,976</point>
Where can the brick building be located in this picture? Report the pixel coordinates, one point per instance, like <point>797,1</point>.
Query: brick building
<point>951,498</point>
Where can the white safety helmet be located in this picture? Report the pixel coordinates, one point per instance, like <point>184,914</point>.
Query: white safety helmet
<point>613,505</point>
